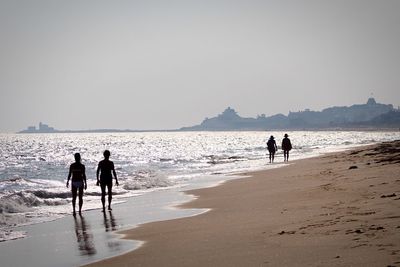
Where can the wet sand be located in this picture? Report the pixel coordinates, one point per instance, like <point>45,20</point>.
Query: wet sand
<point>342,209</point>
<point>74,241</point>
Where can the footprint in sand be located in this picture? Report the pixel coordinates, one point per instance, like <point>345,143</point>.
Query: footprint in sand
<point>286,232</point>
<point>391,195</point>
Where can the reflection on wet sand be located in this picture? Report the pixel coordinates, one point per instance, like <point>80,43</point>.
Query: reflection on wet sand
<point>84,236</point>
<point>110,224</point>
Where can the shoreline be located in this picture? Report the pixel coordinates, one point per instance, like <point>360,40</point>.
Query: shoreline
<point>94,236</point>
<point>315,211</point>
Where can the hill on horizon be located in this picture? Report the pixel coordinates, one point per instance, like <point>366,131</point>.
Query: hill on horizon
<point>369,115</point>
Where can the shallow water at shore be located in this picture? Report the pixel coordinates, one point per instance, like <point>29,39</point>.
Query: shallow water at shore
<point>33,172</point>
<point>74,241</point>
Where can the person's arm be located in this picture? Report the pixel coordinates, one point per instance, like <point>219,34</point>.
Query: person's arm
<point>115,175</point>
<point>69,176</point>
<point>116,179</point>
<point>97,174</point>
<point>84,177</point>
<point>276,147</point>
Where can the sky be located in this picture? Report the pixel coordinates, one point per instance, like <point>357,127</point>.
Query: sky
<point>167,64</point>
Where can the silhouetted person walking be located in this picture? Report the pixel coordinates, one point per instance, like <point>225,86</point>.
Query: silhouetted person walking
<point>106,168</point>
<point>272,148</point>
<point>286,147</point>
<point>78,181</point>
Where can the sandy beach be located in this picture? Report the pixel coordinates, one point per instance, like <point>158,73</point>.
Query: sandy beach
<point>341,209</point>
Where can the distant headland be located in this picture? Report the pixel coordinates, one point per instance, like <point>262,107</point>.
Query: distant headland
<point>44,128</point>
<point>371,115</point>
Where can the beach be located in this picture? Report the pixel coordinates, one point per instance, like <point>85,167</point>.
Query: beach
<point>340,209</point>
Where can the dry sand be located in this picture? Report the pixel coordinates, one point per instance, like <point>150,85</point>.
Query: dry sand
<point>313,212</point>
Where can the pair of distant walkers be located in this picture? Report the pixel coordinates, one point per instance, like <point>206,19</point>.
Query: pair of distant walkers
<point>104,173</point>
<point>272,148</point>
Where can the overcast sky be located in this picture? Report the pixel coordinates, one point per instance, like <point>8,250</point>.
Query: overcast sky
<point>167,64</point>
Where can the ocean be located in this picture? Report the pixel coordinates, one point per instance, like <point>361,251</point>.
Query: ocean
<point>34,167</point>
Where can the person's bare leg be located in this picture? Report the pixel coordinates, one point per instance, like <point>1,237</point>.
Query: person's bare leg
<point>80,199</point>
<point>109,197</point>
<point>103,196</point>
<point>74,192</point>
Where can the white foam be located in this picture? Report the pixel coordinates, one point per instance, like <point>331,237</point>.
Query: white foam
<point>6,235</point>
<point>34,167</point>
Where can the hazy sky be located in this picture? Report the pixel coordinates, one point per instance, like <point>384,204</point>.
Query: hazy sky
<point>167,64</point>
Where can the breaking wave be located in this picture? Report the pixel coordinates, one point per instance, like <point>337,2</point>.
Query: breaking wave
<point>34,167</point>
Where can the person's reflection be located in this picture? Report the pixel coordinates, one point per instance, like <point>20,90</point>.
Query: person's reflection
<point>84,236</point>
<point>109,223</point>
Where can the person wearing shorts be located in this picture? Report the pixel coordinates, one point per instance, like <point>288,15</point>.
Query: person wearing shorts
<point>78,182</point>
<point>105,172</point>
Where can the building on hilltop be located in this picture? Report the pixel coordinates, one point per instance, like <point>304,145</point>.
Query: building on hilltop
<point>371,101</point>
<point>340,115</point>
<point>333,117</point>
<point>229,113</point>
<point>43,128</point>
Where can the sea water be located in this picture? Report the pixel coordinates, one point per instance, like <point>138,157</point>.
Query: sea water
<point>34,167</point>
